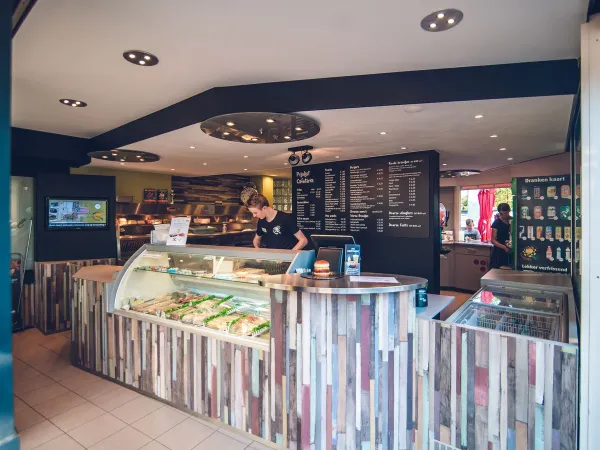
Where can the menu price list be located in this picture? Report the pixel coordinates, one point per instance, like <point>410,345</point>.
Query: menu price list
<point>386,195</point>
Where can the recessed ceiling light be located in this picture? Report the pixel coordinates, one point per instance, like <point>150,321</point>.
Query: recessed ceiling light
<point>382,132</point>
<point>191,146</point>
<point>122,159</point>
<point>114,154</point>
<point>270,121</point>
<point>205,164</point>
<point>494,136</point>
<point>226,133</point>
<point>287,137</point>
<point>245,156</point>
<point>298,129</point>
<point>502,149</point>
<point>105,157</point>
<point>172,169</point>
<point>509,159</point>
<point>285,164</point>
<point>245,169</point>
<point>71,102</point>
<point>138,156</point>
<point>142,159</point>
<point>337,157</point>
<point>441,20</point>
<point>230,124</point>
<point>444,164</point>
<point>140,57</point>
<point>479,116</point>
<point>254,139</point>
<point>402,148</point>
<point>122,164</point>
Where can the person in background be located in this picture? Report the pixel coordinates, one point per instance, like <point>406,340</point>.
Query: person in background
<point>500,236</point>
<point>472,233</point>
<point>275,229</point>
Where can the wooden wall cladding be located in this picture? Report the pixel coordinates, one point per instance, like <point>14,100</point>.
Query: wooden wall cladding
<point>486,390</point>
<point>342,370</point>
<point>54,291</point>
<point>28,305</point>
<point>218,188</point>
<point>227,382</point>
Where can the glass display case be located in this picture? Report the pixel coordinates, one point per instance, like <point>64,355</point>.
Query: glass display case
<point>518,311</point>
<point>206,289</point>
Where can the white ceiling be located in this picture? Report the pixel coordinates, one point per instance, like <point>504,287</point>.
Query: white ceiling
<point>72,49</point>
<point>528,128</point>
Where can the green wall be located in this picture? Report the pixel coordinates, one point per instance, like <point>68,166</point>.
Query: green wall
<point>129,183</point>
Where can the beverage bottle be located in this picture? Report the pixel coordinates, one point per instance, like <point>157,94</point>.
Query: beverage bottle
<point>558,253</point>
<point>568,254</point>
<point>549,252</point>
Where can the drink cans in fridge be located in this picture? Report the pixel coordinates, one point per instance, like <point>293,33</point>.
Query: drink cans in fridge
<point>524,212</point>
<point>530,233</point>
<point>539,232</point>
<point>567,233</point>
<point>558,233</point>
<point>548,232</point>
<point>537,212</point>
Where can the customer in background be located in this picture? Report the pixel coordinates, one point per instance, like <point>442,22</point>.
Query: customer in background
<point>500,236</point>
<point>472,233</point>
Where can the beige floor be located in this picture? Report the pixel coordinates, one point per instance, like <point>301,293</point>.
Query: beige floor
<point>59,407</point>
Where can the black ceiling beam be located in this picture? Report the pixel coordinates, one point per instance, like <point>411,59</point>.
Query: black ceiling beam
<point>534,79</point>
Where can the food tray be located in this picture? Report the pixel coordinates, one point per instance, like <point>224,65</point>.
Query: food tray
<point>543,326</point>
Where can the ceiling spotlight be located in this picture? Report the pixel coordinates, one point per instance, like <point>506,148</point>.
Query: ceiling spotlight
<point>270,121</point>
<point>337,157</point>
<point>245,170</point>
<point>298,129</point>
<point>402,148</point>
<point>509,159</point>
<point>444,164</point>
<point>138,156</point>
<point>441,20</point>
<point>172,169</point>
<point>306,157</point>
<point>230,124</point>
<point>293,159</point>
<point>254,139</point>
<point>205,164</point>
<point>287,137</point>
<point>142,159</point>
<point>71,102</point>
<point>285,164</point>
<point>105,157</point>
<point>494,136</point>
<point>226,133</point>
<point>479,116</point>
<point>245,156</point>
<point>382,132</point>
<point>122,159</point>
<point>114,154</point>
<point>502,149</point>
<point>140,57</point>
<point>191,146</point>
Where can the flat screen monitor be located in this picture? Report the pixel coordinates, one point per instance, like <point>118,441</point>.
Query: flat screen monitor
<point>331,241</point>
<point>76,213</point>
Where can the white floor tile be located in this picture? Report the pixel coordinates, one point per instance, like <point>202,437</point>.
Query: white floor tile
<point>75,417</point>
<point>136,409</point>
<point>186,435</point>
<point>97,430</point>
<point>220,441</point>
<point>63,442</point>
<point>116,398</point>
<point>126,439</point>
<point>38,435</point>
<point>59,405</point>
<point>158,422</point>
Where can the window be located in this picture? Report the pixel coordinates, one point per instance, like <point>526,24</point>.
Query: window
<point>469,205</point>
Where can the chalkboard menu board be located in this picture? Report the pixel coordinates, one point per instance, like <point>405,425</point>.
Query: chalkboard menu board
<point>385,195</point>
<point>388,203</point>
<point>543,223</point>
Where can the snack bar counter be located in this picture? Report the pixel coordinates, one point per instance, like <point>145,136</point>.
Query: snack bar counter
<point>236,335</point>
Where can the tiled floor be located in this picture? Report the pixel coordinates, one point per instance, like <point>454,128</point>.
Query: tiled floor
<point>59,407</point>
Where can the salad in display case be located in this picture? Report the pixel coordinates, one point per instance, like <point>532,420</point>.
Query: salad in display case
<point>206,289</point>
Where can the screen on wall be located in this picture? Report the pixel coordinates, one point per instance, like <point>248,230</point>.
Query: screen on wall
<point>76,213</point>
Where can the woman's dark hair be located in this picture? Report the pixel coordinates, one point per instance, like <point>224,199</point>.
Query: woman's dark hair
<point>258,201</point>
<point>503,207</point>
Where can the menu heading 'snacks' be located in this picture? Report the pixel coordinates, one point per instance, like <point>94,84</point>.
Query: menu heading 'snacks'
<point>386,195</point>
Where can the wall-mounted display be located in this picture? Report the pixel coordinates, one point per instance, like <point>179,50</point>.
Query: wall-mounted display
<point>76,214</point>
<point>162,196</point>
<point>542,224</point>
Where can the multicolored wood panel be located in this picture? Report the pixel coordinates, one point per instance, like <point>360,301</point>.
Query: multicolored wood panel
<point>224,381</point>
<point>342,370</point>
<point>487,390</point>
<point>53,292</point>
<point>28,305</point>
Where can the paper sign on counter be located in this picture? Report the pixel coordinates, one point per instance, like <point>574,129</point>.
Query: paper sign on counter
<point>178,231</point>
<point>373,280</point>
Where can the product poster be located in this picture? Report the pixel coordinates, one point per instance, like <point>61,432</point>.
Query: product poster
<point>543,221</point>
<point>352,263</point>
<point>150,195</point>
<point>178,231</point>
<point>163,196</point>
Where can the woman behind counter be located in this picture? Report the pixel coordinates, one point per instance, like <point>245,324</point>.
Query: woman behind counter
<point>500,235</point>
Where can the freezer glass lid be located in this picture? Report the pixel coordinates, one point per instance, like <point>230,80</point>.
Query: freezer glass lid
<point>543,302</point>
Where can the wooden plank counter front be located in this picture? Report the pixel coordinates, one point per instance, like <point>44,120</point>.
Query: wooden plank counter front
<point>342,363</point>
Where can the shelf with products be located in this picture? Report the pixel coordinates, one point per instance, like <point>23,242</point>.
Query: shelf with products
<point>207,290</point>
<point>282,195</point>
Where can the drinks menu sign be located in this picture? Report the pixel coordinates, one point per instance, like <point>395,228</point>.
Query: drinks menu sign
<point>388,196</point>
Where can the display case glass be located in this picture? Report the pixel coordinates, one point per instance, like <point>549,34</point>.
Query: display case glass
<point>205,289</point>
